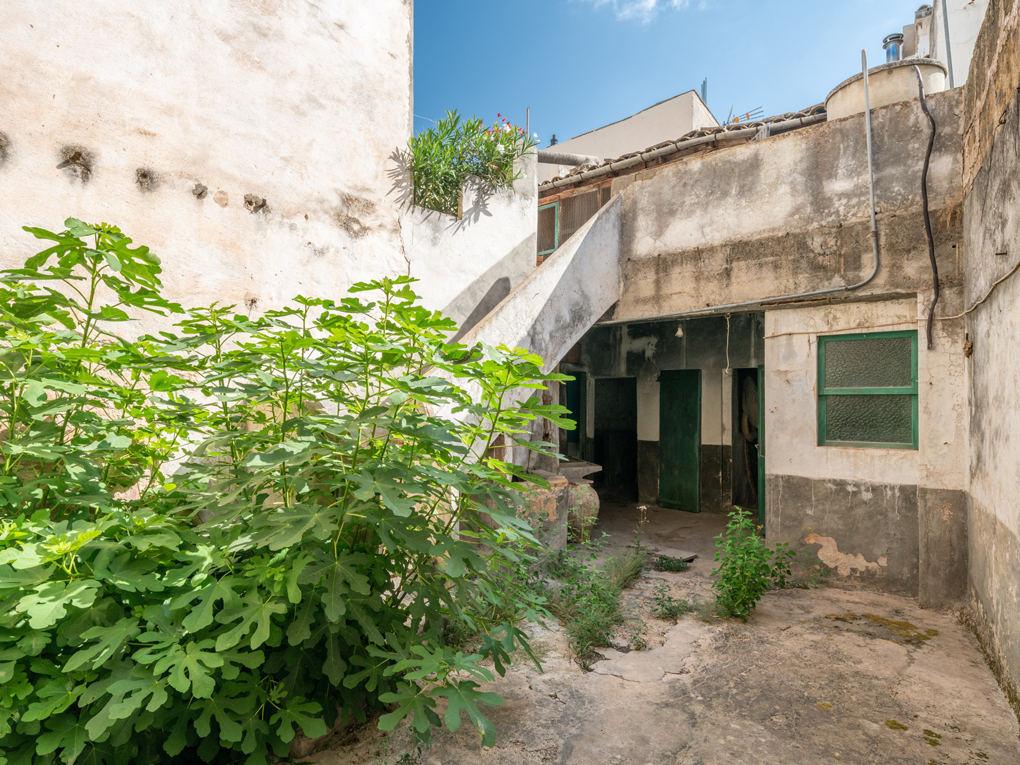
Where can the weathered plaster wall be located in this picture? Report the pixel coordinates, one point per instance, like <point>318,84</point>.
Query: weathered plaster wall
<point>992,247</point>
<point>467,265</point>
<point>118,112</point>
<point>791,214</point>
<point>893,516</point>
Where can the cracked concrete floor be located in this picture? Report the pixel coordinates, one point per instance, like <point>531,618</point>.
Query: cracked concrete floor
<point>824,675</point>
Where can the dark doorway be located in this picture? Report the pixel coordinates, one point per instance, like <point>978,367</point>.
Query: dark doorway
<point>615,443</point>
<point>575,399</point>
<point>680,440</point>
<point>745,438</point>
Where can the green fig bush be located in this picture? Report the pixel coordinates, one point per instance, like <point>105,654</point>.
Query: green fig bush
<point>217,537</point>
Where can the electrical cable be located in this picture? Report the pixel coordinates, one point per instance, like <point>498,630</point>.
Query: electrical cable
<point>988,294</point>
<point>924,206</point>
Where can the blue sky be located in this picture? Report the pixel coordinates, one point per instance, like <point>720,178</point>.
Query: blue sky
<point>580,64</point>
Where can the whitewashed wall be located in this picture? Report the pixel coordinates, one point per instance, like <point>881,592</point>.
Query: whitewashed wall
<point>791,398</point>
<point>301,103</point>
<point>965,19</point>
<point>467,265</point>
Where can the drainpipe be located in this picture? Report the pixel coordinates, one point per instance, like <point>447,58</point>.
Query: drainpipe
<point>799,295</point>
<point>949,45</point>
<point>547,157</point>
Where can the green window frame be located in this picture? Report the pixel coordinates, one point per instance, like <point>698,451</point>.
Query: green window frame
<point>827,393</point>
<point>556,234</point>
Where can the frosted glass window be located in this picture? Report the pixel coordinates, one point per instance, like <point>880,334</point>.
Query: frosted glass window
<point>875,419</point>
<point>875,363</point>
<point>868,390</point>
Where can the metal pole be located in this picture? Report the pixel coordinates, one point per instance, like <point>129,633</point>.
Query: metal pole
<point>527,121</point>
<point>871,161</point>
<point>949,45</point>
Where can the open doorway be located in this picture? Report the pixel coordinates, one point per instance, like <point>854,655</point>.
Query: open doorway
<point>615,437</point>
<point>745,438</point>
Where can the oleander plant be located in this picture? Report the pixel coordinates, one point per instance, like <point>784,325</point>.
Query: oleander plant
<point>443,157</point>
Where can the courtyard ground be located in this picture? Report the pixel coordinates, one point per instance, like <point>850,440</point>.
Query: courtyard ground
<point>821,675</point>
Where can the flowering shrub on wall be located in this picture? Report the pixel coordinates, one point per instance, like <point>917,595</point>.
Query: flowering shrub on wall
<point>442,158</point>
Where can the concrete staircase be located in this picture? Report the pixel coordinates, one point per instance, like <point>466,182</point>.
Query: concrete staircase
<point>551,310</point>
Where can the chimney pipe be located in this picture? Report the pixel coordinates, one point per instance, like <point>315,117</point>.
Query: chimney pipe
<point>893,45</point>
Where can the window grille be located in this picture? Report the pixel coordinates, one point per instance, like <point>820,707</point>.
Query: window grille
<point>575,211</point>
<point>558,221</point>
<point>867,390</point>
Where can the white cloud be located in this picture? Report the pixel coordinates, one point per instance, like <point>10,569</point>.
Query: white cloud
<point>642,10</point>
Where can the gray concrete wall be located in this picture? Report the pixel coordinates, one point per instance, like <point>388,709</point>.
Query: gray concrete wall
<point>115,111</point>
<point>791,214</point>
<point>855,529</point>
<point>992,248</point>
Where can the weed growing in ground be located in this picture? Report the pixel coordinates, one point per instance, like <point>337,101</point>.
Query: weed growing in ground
<point>668,607</point>
<point>672,564</point>
<point>639,636</point>
<point>586,597</point>
<point>814,575</point>
<point>747,566</point>
<point>707,610</point>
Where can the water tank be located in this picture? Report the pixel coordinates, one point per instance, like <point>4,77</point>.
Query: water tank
<point>888,84</point>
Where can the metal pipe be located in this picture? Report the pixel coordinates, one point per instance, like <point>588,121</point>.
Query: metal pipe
<point>681,145</point>
<point>729,307</point>
<point>564,158</point>
<point>949,45</point>
<point>924,206</point>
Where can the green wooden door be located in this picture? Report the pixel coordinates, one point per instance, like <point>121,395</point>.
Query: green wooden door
<point>761,445</point>
<point>680,440</point>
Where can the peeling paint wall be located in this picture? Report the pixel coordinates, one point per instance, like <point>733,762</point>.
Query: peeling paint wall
<point>992,246</point>
<point>900,505</point>
<point>251,145</point>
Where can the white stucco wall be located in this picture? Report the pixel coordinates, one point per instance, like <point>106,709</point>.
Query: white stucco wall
<point>791,399</point>
<point>458,261</point>
<point>965,19</point>
<point>550,310</point>
<point>716,407</point>
<point>647,408</point>
<point>665,121</point>
<point>303,104</point>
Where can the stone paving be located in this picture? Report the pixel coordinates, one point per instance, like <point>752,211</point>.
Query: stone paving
<point>822,675</point>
